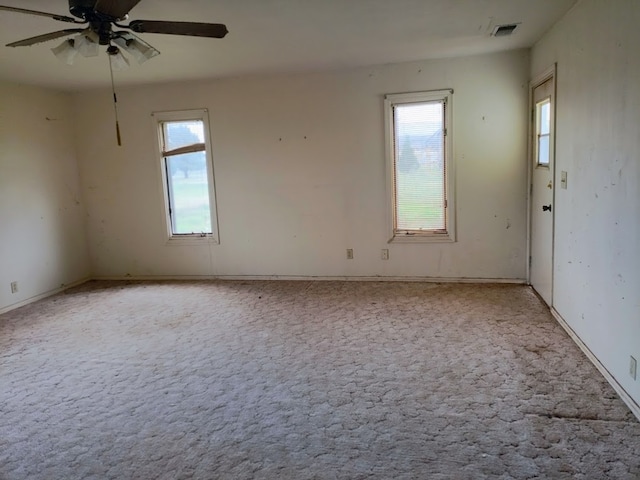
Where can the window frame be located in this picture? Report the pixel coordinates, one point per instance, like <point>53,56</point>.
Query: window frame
<point>417,236</point>
<point>159,118</point>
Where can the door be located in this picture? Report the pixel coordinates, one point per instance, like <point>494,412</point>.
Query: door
<point>542,186</point>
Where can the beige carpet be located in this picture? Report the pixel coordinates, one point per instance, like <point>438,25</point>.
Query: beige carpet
<point>303,380</point>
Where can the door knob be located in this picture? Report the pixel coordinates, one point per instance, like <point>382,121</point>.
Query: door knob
<point>546,208</point>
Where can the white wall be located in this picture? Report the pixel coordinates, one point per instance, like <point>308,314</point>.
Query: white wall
<point>42,235</point>
<point>292,206</point>
<point>597,236</point>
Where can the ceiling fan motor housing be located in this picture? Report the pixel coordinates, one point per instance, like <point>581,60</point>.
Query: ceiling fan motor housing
<point>81,8</point>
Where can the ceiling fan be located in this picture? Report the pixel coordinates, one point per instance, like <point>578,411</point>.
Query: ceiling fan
<point>99,18</point>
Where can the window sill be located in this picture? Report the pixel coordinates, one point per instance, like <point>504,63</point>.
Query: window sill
<point>192,240</point>
<point>422,238</point>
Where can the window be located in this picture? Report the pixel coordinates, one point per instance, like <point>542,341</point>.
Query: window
<point>420,167</point>
<point>187,175</point>
<point>543,131</point>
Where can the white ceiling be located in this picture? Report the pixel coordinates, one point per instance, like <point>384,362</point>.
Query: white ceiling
<point>274,36</point>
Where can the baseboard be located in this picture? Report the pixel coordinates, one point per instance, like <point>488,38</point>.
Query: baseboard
<point>373,279</point>
<point>40,296</point>
<point>517,281</point>
<point>626,398</point>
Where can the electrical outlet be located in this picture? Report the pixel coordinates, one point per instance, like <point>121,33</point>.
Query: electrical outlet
<point>14,287</point>
<point>385,254</point>
<point>349,253</point>
<point>633,367</point>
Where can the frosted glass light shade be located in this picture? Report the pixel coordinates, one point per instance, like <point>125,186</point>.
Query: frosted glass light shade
<point>118,61</point>
<point>87,44</point>
<point>137,49</point>
<point>66,51</point>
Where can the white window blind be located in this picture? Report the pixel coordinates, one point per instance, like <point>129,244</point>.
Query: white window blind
<point>419,166</point>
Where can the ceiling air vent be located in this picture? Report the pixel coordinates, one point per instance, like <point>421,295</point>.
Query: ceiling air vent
<point>504,30</point>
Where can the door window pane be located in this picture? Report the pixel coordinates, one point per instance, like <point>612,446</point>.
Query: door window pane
<point>545,117</point>
<point>543,132</point>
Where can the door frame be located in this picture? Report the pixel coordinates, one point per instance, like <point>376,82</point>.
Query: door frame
<point>550,72</point>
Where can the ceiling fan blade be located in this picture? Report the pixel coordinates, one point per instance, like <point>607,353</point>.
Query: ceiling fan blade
<point>117,9</point>
<point>44,38</point>
<point>195,29</point>
<point>62,18</point>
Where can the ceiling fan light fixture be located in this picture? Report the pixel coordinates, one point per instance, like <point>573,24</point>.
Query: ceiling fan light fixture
<point>87,43</point>
<point>66,51</point>
<point>136,49</point>
<point>118,61</point>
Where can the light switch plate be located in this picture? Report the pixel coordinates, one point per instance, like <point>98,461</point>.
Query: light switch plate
<point>563,179</point>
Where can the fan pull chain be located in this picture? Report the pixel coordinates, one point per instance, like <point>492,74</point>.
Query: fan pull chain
<point>115,102</point>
